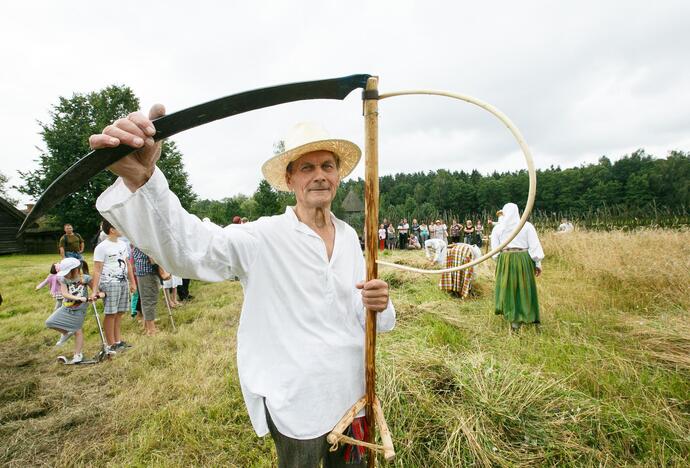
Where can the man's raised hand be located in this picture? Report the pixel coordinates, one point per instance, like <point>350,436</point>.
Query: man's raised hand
<point>137,131</point>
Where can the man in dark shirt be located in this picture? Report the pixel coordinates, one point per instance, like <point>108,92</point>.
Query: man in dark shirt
<point>71,244</point>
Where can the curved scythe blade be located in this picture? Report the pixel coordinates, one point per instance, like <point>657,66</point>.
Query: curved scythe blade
<point>94,162</point>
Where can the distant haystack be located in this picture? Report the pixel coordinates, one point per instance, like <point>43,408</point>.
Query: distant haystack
<point>353,207</point>
<point>352,203</point>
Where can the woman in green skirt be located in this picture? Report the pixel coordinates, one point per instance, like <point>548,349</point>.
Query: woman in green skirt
<point>518,265</point>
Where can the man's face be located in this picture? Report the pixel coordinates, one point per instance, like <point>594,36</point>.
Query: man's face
<point>314,179</point>
<point>68,229</point>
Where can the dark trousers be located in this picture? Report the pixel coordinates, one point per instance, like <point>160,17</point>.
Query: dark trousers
<point>403,240</point>
<point>183,289</point>
<point>310,453</point>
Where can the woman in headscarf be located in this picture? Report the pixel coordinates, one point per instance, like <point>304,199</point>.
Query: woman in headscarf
<point>518,265</point>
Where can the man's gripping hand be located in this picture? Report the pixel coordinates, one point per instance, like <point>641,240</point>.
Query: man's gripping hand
<point>374,294</point>
<point>137,131</point>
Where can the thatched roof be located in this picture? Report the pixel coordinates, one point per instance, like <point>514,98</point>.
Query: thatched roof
<point>352,203</point>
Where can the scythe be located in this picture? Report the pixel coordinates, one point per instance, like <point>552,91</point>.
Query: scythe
<point>337,88</point>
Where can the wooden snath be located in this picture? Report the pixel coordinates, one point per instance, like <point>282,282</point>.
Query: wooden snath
<point>370,403</point>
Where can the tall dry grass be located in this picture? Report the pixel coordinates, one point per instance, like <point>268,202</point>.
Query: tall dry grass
<point>648,269</point>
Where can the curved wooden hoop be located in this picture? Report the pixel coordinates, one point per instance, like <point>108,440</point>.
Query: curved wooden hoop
<point>530,169</point>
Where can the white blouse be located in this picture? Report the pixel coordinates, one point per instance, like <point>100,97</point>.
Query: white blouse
<point>526,239</point>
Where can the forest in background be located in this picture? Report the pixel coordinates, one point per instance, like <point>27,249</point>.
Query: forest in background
<point>635,190</point>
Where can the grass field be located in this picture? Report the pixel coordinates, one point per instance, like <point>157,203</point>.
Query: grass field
<point>605,380</point>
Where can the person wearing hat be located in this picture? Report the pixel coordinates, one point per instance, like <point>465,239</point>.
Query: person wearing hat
<point>440,231</point>
<point>300,340</point>
<point>68,319</point>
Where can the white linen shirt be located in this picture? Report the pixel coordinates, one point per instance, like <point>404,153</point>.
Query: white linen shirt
<point>526,239</point>
<point>300,340</point>
<point>438,246</point>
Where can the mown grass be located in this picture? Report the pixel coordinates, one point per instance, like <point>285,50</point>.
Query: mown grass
<point>605,380</point>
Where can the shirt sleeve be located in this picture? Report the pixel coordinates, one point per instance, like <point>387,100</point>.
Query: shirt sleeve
<point>385,320</point>
<point>43,283</point>
<point>154,220</point>
<point>534,246</point>
<point>98,253</point>
<point>494,240</point>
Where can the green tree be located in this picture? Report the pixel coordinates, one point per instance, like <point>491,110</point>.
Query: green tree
<point>266,199</point>
<point>250,208</point>
<point>66,135</point>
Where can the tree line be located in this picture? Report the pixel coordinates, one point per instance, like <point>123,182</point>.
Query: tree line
<point>636,184</point>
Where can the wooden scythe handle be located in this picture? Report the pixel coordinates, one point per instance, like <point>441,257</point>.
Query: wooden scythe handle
<point>530,169</point>
<point>371,217</point>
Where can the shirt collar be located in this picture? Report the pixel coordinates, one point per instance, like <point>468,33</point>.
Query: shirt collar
<point>299,226</point>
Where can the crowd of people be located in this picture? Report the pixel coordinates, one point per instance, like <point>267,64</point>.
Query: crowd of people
<point>413,236</point>
<point>132,280</point>
<point>128,280</point>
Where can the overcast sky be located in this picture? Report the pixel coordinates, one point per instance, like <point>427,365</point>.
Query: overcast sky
<point>579,79</point>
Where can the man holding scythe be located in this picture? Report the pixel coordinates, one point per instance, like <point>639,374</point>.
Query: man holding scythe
<point>300,341</point>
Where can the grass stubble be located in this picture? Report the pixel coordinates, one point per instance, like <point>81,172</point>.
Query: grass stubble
<point>604,381</point>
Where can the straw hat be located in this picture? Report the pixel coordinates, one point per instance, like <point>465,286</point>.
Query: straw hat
<point>304,138</point>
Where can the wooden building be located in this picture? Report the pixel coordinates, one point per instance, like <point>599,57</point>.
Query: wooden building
<point>10,220</point>
<point>39,238</point>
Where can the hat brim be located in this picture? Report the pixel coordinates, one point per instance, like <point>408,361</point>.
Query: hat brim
<point>68,265</point>
<point>348,155</point>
